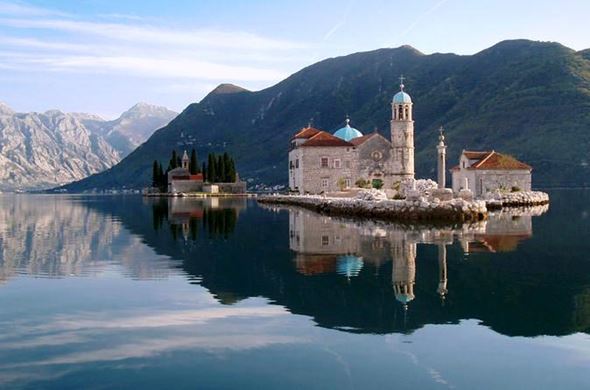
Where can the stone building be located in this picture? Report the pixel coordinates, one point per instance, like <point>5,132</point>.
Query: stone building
<point>483,172</point>
<point>181,180</point>
<point>323,162</point>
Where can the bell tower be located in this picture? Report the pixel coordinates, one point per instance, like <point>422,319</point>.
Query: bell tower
<point>402,134</point>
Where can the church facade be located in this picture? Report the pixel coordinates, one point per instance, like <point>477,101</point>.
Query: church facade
<point>322,162</point>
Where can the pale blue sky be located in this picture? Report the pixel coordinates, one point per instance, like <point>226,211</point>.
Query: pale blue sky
<point>103,56</point>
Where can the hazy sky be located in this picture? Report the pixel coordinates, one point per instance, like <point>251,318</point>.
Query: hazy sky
<point>103,56</point>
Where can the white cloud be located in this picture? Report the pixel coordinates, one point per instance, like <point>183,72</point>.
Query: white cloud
<point>157,35</point>
<point>22,9</point>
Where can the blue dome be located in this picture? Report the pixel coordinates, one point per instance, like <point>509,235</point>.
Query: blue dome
<point>404,298</point>
<point>349,265</point>
<point>401,97</point>
<point>347,133</point>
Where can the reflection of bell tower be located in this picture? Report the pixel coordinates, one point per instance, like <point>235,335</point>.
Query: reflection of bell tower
<point>403,271</point>
<point>442,271</point>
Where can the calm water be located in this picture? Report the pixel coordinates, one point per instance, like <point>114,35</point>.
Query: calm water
<point>99,292</point>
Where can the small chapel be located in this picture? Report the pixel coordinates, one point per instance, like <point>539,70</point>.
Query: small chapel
<point>323,162</point>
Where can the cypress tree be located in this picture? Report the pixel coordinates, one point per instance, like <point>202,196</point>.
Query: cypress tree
<point>211,172</point>
<point>220,169</point>
<point>204,171</point>
<point>155,177</point>
<point>232,171</point>
<point>194,164</point>
<point>226,166</point>
<point>161,177</point>
<point>173,160</point>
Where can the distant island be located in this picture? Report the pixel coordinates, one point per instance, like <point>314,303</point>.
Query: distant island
<point>185,176</point>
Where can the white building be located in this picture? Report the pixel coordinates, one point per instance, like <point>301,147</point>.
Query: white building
<point>482,172</point>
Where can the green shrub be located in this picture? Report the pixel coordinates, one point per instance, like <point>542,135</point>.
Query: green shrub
<point>516,189</point>
<point>377,184</point>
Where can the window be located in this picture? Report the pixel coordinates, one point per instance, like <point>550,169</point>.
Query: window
<point>291,164</point>
<point>347,164</point>
<point>324,183</point>
<point>377,155</point>
<point>325,240</point>
<point>297,163</point>
<point>324,162</point>
<point>348,183</point>
<point>337,163</point>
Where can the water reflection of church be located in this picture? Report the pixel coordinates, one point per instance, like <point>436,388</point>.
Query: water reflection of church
<point>323,244</point>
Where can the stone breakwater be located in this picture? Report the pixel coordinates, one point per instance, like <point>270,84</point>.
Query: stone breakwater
<point>511,199</point>
<point>418,210</point>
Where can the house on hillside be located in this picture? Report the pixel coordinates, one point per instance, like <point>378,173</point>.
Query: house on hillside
<point>486,171</point>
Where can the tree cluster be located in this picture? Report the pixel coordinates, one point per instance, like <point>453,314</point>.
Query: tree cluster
<point>218,169</point>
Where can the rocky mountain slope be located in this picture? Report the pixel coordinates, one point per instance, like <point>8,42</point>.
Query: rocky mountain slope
<point>132,128</point>
<point>44,150</point>
<point>530,99</point>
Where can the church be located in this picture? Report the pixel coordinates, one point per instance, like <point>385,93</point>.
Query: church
<point>323,162</point>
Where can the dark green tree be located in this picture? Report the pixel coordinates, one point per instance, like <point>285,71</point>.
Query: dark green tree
<point>204,171</point>
<point>162,180</point>
<point>226,168</point>
<point>211,171</point>
<point>194,163</point>
<point>155,175</point>
<point>221,171</point>
<point>232,174</point>
<point>173,160</point>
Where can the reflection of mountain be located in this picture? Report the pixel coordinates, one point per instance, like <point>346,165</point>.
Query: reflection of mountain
<point>59,236</point>
<point>531,291</point>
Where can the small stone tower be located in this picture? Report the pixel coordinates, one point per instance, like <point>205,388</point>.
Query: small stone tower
<point>185,160</point>
<point>442,153</point>
<point>402,135</point>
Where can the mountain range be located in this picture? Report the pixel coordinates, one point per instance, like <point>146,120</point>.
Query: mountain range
<point>43,150</point>
<point>525,98</point>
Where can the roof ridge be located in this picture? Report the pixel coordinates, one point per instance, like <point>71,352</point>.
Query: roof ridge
<point>480,162</point>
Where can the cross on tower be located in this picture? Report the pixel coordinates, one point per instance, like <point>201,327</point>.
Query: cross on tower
<point>401,81</point>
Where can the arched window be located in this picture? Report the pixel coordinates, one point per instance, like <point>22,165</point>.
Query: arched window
<point>401,113</point>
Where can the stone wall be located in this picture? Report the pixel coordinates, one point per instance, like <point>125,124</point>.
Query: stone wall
<point>185,186</point>
<point>482,181</point>
<point>376,161</point>
<point>315,178</point>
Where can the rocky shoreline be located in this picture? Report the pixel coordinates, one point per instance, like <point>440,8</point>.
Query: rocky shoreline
<point>417,210</point>
<point>498,200</point>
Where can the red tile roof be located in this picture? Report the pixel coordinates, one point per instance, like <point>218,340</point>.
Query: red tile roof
<point>495,160</point>
<point>306,132</point>
<point>359,140</point>
<point>473,155</point>
<point>326,139</point>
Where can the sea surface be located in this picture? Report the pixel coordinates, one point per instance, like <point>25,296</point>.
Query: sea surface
<point>126,292</point>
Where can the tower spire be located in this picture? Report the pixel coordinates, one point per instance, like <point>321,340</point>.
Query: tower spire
<point>401,82</point>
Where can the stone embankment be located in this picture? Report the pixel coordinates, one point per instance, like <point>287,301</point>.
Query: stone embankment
<point>496,200</point>
<point>418,210</point>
